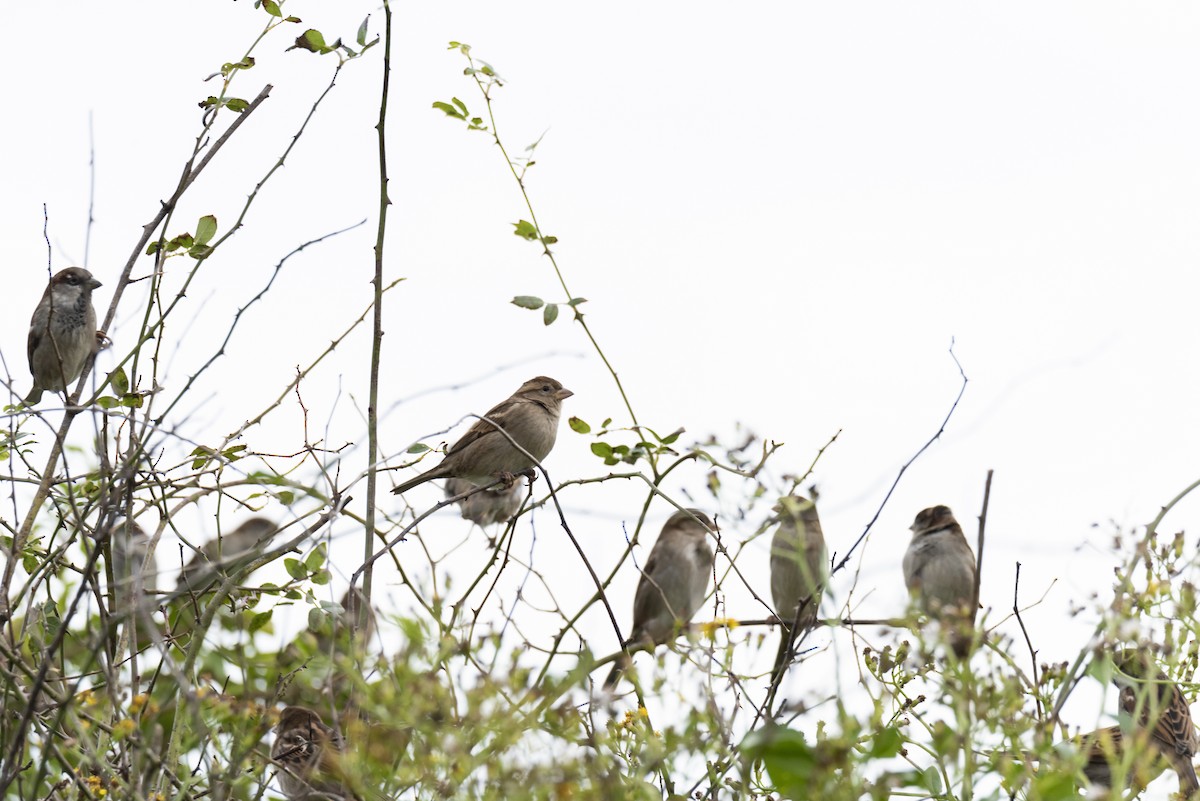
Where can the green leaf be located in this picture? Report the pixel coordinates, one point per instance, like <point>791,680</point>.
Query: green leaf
<point>527,302</point>
<point>120,381</point>
<point>259,620</point>
<point>418,447</point>
<point>107,402</point>
<point>237,105</point>
<point>206,229</point>
<point>312,41</point>
<point>204,456</point>
<point>316,559</point>
<point>133,401</point>
<point>272,8</point>
<point>674,435</point>
<point>550,314</point>
<point>200,251</point>
<point>286,497</point>
<point>362,32</point>
<point>461,106</point>
<point>548,240</point>
<point>573,302</point>
<point>294,568</point>
<point>602,449</point>
<point>321,577</point>
<point>450,110</point>
<point>525,230</point>
<point>886,743</point>
<point>579,426</point>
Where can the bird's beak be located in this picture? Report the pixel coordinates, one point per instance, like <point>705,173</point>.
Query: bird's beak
<point>94,284</point>
<point>563,394</point>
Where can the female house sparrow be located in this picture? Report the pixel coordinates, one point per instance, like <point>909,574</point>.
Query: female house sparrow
<point>1156,705</point>
<point>673,584</point>
<point>939,569</point>
<point>62,332</point>
<point>307,752</point>
<point>132,575</point>
<point>495,505</point>
<point>799,569</point>
<point>484,454</point>
<point>226,555</point>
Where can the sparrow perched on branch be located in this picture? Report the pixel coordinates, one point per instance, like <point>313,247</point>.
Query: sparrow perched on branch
<point>529,417</point>
<point>495,505</point>
<point>307,752</point>
<point>62,332</point>
<point>1156,705</point>
<point>673,584</point>
<point>939,570</point>
<point>132,575</point>
<point>799,570</point>
<point>226,555</point>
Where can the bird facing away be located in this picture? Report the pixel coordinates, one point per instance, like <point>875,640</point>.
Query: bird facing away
<point>132,575</point>
<point>226,555</point>
<point>62,332</point>
<point>673,584</point>
<point>307,752</point>
<point>799,569</point>
<point>1155,705</point>
<point>495,505</point>
<point>484,454</point>
<point>939,570</point>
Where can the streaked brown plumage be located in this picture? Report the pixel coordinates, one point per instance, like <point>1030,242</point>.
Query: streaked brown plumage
<point>939,571</point>
<point>307,752</point>
<point>484,454</point>
<point>673,583</point>
<point>1155,704</point>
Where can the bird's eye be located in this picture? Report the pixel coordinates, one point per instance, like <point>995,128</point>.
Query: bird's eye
<point>545,387</point>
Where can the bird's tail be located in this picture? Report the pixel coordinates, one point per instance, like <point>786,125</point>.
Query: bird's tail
<point>415,481</point>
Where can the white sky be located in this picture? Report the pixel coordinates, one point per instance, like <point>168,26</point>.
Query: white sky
<point>780,217</point>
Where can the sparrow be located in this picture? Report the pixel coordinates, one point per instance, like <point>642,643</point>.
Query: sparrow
<point>132,576</point>
<point>226,555</point>
<point>495,505</point>
<point>799,569</point>
<point>484,454</point>
<point>1156,705</point>
<point>939,570</point>
<point>673,584</point>
<point>307,752</point>
<point>62,332</point>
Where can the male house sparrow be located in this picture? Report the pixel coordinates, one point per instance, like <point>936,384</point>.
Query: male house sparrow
<point>307,752</point>
<point>799,569</point>
<point>226,555</point>
<point>62,332</point>
<point>495,505</point>
<point>939,570</point>
<point>484,454</point>
<point>673,584</point>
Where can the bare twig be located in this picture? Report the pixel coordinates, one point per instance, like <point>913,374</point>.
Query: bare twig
<point>941,429</point>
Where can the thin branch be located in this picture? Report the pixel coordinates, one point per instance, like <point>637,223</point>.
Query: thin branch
<point>908,464</point>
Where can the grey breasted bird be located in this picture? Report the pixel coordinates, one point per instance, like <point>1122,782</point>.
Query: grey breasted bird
<point>939,571</point>
<point>62,332</point>
<point>133,576</point>
<point>495,505</point>
<point>226,555</point>
<point>308,753</point>
<point>673,584</point>
<point>484,454</point>
<point>799,569</point>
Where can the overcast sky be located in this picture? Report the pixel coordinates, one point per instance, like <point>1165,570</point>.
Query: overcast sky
<point>781,218</point>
